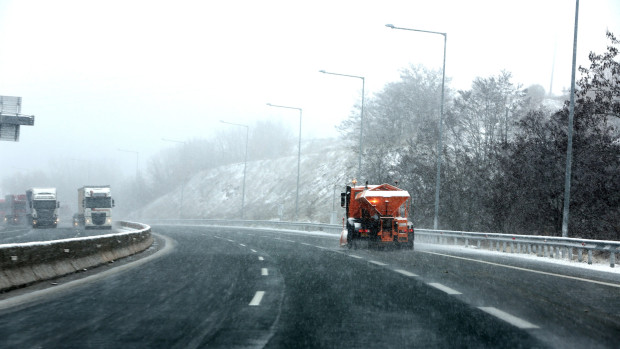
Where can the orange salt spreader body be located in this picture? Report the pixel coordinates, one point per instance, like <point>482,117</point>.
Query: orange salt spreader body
<point>376,215</point>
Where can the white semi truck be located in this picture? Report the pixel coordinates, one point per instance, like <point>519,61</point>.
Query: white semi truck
<point>42,207</point>
<point>94,207</point>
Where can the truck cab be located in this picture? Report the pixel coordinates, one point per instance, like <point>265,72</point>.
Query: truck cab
<point>95,207</point>
<point>42,207</point>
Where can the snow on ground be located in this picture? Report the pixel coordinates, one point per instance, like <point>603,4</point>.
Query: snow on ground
<point>598,264</point>
<point>270,184</point>
<point>51,242</point>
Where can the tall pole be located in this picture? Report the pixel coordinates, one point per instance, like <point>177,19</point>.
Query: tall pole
<point>245,162</point>
<point>569,146</point>
<point>298,155</point>
<point>359,167</point>
<point>245,167</point>
<point>440,126</point>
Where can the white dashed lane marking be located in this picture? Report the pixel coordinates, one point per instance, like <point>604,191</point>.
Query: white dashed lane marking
<point>253,250</point>
<point>264,271</point>
<point>257,298</point>
<point>404,272</point>
<point>242,245</point>
<point>446,289</point>
<point>261,258</point>
<point>511,319</point>
<point>378,263</point>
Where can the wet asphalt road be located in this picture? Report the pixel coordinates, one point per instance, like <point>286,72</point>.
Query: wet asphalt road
<point>243,288</point>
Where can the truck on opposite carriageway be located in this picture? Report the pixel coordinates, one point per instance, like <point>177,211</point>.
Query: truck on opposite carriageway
<point>94,207</point>
<point>15,209</point>
<point>42,207</point>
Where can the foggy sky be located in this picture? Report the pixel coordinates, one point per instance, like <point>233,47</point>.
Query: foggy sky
<point>100,76</point>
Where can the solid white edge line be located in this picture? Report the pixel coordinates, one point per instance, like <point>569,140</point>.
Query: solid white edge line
<point>525,269</point>
<point>377,263</point>
<point>446,289</point>
<point>404,272</point>
<point>511,319</point>
<point>264,271</point>
<point>258,296</point>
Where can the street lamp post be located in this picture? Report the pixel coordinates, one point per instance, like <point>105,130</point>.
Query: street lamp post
<point>332,219</point>
<point>569,145</point>
<point>359,167</point>
<point>245,161</point>
<point>137,159</point>
<point>298,155</point>
<point>440,140</point>
<point>182,180</point>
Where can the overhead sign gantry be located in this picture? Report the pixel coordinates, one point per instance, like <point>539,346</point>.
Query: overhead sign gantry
<point>11,118</point>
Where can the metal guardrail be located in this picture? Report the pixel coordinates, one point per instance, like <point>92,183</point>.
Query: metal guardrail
<point>543,246</point>
<point>328,228</point>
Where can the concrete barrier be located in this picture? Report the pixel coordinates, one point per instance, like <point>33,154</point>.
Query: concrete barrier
<point>27,263</point>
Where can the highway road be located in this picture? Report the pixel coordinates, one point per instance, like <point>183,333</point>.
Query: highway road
<point>248,288</point>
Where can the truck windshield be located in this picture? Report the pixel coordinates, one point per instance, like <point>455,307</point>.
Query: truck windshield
<point>105,202</point>
<point>44,204</point>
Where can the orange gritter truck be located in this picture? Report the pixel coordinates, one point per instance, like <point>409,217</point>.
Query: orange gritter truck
<point>376,215</point>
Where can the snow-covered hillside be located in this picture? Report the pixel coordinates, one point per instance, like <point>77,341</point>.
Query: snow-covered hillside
<point>216,194</point>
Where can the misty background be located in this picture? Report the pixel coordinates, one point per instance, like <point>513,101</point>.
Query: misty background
<point>131,94</point>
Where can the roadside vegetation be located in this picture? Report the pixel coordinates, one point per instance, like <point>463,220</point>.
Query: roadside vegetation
<point>503,153</point>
